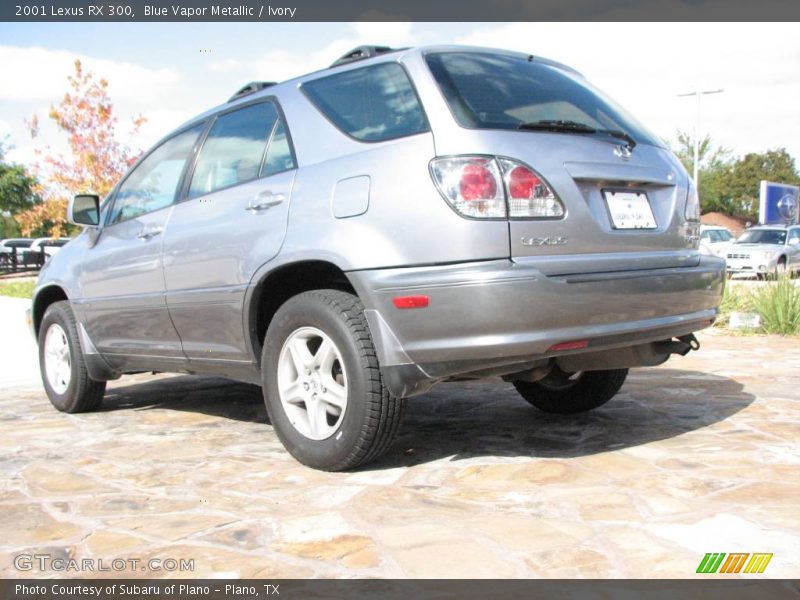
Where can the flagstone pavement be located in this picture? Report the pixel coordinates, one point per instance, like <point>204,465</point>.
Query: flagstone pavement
<point>699,455</point>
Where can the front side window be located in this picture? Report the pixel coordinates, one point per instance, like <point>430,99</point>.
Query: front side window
<point>153,184</point>
<point>498,91</point>
<point>371,104</point>
<point>234,149</point>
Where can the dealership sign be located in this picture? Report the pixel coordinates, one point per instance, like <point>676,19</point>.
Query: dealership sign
<point>778,205</point>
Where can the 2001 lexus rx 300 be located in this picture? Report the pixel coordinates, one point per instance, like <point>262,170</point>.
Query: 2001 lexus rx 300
<point>349,238</point>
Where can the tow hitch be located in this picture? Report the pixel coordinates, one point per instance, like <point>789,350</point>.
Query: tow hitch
<point>682,345</point>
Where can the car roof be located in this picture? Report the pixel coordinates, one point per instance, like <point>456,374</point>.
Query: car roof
<point>389,55</point>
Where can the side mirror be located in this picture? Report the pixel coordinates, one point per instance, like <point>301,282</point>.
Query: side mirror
<point>794,241</point>
<point>84,209</point>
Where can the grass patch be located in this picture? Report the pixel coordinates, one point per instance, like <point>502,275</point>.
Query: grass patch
<point>18,289</point>
<point>736,298</point>
<point>778,303</point>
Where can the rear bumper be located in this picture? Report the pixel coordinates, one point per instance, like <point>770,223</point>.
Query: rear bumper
<point>487,315</point>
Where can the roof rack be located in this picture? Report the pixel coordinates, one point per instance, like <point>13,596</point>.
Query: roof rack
<point>251,88</point>
<point>362,53</point>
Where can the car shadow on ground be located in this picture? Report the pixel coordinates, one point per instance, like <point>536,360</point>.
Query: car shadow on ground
<point>488,418</point>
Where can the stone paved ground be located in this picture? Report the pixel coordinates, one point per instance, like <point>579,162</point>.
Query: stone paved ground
<point>697,456</point>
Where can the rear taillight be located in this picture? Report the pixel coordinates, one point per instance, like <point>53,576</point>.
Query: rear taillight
<point>692,212</point>
<point>528,194</point>
<point>472,185</point>
<point>494,188</point>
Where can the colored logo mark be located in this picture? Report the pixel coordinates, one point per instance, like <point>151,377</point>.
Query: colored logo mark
<point>736,562</point>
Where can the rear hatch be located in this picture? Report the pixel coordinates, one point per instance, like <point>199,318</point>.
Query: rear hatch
<point>623,194</point>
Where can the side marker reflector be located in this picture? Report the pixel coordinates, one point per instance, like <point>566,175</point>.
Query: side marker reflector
<point>577,345</point>
<point>410,301</point>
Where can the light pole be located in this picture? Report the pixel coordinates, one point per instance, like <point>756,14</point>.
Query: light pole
<point>698,93</point>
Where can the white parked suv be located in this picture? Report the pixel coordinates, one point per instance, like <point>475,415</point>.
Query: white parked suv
<point>715,240</point>
<point>766,250</point>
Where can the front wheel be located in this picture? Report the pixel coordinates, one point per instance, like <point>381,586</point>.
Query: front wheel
<point>64,374</point>
<point>322,383</point>
<point>570,393</point>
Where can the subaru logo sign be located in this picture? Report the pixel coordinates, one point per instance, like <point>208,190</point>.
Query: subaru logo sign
<point>787,208</point>
<point>778,203</point>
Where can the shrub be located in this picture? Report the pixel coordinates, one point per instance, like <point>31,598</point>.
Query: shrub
<point>778,303</point>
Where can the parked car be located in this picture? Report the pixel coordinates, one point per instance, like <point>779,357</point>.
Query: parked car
<point>352,237</point>
<point>11,247</point>
<point>715,240</point>
<point>42,249</point>
<point>766,250</point>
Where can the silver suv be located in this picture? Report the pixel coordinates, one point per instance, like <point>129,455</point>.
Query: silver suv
<point>350,238</point>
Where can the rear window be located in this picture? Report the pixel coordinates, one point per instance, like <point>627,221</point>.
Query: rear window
<point>371,104</point>
<point>495,91</point>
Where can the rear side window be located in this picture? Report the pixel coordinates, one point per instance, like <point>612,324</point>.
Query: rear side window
<point>279,154</point>
<point>371,104</point>
<point>234,149</point>
<point>496,91</point>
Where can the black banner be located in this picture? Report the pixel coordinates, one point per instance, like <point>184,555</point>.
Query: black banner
<point>712,588</point>
<point>397,10</point>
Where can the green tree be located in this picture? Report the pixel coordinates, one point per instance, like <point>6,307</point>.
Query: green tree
<point>714,162</point>
<point>742,180</point>
<point>16,186</point>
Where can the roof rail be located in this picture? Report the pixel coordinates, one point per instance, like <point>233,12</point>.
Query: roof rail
<point>251,88</point>
<point>362,53</point>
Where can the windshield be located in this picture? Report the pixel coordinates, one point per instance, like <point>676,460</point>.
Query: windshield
<point>762,236</point>
<point>496,91</point>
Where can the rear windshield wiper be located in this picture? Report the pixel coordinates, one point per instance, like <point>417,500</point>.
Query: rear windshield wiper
<point>559,126</point>
<point>620,135</point>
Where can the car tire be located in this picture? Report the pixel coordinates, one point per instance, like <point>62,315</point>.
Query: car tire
<point>569,393</point>
<point>64,375</point>
<point>314,423</point>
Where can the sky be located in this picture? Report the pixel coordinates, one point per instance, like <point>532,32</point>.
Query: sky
<point>170,72</point>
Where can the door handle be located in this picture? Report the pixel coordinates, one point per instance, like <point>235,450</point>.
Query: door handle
<point>148,233</point>
<point>265,200</point>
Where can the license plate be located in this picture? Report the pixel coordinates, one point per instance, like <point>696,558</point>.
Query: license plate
<point>629,210</point>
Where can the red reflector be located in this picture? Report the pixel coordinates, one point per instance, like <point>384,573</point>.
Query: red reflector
<point>410,301</point>
<point>477,183</point>
<point>569,346</point>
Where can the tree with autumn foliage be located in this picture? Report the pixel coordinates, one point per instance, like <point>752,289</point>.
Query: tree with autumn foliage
<point>96,159</point>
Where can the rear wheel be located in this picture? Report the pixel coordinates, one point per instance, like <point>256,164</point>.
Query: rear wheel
<point>322,383</point>
<point>569,393</point>
<point>64,374</point>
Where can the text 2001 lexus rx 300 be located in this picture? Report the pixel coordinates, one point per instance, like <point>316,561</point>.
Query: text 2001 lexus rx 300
<point>349,238</point>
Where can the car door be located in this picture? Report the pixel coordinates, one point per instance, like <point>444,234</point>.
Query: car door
<point>121,277</point>
<point>231,221</point>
